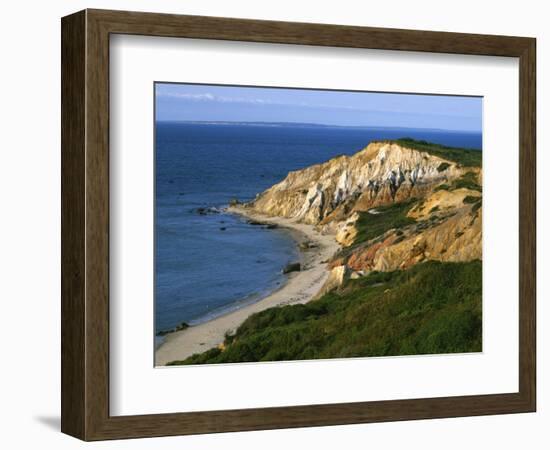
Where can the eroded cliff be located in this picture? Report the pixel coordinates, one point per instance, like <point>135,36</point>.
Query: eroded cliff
<point>391,205</point>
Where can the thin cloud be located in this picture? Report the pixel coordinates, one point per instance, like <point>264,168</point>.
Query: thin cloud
<point>204,97</point>
<point>209,97</point>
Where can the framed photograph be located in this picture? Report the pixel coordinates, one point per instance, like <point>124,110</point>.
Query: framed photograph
<point>273,225</point>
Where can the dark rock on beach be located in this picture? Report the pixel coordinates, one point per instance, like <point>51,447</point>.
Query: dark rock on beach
<point>292,267</point>
<point>180,327</point>
<point>268,226</point>
<point>306,245</point>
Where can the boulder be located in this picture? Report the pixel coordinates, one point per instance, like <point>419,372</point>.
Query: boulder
<point>306,245</point>
<point>292,267</point>
<point>337,276</point>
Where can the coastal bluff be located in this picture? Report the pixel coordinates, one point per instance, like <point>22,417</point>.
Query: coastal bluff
<point>391,205</point>
<point>395,262</point>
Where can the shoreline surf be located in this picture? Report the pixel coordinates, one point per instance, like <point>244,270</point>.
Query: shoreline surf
<point>279,281</point>
<point>300,287</point>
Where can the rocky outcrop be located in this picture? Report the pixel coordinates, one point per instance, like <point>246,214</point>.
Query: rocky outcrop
<point>442,219</point>
<point>337,276</point>
<point>382,173</point>
<point>346,231</point>
<point>447,227</point>
<point>456,238</point>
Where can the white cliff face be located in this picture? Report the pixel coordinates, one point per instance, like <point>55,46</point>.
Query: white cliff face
<point>381,173</point>
<point>313,204</point>
<point>343,187</point>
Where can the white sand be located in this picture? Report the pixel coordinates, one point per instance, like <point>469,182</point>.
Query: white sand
<point>301,287</point>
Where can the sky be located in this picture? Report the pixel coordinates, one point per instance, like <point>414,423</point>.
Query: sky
<point>194,102</point>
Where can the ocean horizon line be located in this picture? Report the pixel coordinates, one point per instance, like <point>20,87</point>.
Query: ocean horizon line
<point>310,124</point>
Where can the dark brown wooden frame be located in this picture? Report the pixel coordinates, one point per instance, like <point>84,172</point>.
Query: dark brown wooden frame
<point>85,224</point>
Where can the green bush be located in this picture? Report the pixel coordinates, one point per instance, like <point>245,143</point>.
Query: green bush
<point>467,181</point>
<point>388,217</point>
<point>443,187</point>
<point>469,199</point>
<point>475,207</point>
<point>465,156</point>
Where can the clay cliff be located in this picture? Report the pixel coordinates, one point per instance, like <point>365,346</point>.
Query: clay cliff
<point>391,205</point>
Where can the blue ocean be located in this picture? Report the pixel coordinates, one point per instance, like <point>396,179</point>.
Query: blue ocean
<point>208,262</point>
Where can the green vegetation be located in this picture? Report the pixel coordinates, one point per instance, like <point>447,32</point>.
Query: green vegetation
<point>467,181</point>
<point>465,156</point>
<point>432,307</point>
<point>387,217</point>
<point>476,206</point>
<point>443,187</point>
<point>375,223</point>
<point>469,199</point>
<point>443,167</point>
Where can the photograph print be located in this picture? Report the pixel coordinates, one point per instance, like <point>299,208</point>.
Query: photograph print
<point>301,224</point>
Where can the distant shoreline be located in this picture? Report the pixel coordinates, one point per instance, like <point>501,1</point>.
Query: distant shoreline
<point>317,125</point>
<point>300,287</point>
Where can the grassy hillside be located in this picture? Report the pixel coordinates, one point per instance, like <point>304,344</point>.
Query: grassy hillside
<point>384,218</point>
<point>467,181</point>
<point>466,156</point>
<point>431,308</point>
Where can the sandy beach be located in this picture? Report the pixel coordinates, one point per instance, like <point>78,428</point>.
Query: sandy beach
<point>301,287</point>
